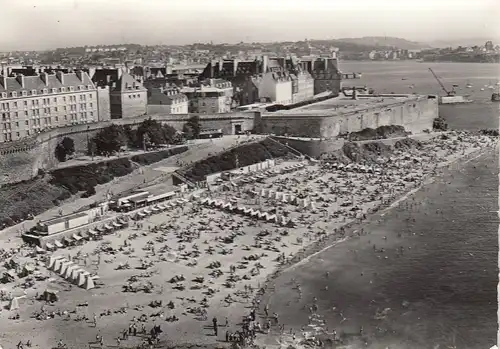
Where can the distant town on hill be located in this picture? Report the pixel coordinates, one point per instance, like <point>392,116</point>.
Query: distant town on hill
<point>365,48</point>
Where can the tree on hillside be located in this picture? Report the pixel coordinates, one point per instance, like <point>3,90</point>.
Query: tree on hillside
<point>65,149</point>
<point>154,132</point>
<point>131,135</point>
<point>109,140</point>
<point>169,134</point>
<point>192,127</point>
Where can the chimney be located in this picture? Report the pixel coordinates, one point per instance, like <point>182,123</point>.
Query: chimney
<point>79,74</point>
<point>120,73</point>
<point>108,79</point>
<point>45,78</point>
<point>235,66</point>
<point>265,63</point>
<point>354,93</point>
<point>60,76</point>
<point>20,79</point>
<point>3,80</point>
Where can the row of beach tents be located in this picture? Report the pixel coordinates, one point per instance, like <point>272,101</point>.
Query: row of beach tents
<point>155,209</point>
<point>287,198</point>
<point>71,272</point>
<point>69,240</point>
<point>250,212</point>
<point>269,173</point>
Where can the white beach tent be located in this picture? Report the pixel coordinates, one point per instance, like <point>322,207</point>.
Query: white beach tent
<point>279,195</point>
<point>312,205</point>
<point>60,264</point>
<point>285,198</point>
<point>14,303</point>
<point>52,261</point>
<point>89,283</point>
<point>74,275</point>
<point>57,264</point>
<point>81,277</point>
<point>69,271</point>
<point>64,267</point>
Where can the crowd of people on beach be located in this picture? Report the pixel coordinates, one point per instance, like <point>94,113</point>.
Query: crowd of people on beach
<point>188,264</point>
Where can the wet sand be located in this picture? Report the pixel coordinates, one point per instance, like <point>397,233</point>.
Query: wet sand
<point>364,287</point>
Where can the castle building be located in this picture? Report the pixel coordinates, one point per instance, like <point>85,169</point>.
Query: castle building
<point>31,104</point>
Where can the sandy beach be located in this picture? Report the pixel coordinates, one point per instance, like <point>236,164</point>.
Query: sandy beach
<point>223,261</point>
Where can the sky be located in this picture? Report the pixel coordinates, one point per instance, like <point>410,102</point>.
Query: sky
<point>48,24</point>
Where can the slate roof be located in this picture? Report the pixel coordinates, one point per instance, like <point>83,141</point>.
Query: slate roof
<point>118,80</point>
<point>36,83</point>
<point>156,97</point>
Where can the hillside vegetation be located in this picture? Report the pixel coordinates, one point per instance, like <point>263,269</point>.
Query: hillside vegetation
<point>20,200</point>
<point>247,154</point>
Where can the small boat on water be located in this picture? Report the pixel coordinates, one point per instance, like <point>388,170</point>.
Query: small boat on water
<point>404,78</point>
<point>469,85</point>
<point>482,88</point>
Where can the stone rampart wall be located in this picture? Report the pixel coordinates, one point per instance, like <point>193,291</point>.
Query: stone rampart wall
<point>416,115</point>
<point>21,160</point>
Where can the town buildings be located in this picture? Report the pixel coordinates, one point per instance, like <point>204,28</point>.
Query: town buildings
<point>212,96</point>
<point>31,104</point>
<point>167,101</point>
<point>128,96</point>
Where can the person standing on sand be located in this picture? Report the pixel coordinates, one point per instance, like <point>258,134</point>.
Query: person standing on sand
<point>214,322</point>
<point>266,310</point>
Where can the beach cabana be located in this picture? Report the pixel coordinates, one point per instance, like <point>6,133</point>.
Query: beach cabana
<point>58,264</point>
<point>14,303</point>
<point>76,237</point>
<point>52,261</point>
<point>69,271</point>
<point>50,247</point>
<point>65,265</point>
<point>89,283</point>
<point>93,232</point>
<point>81,277</point>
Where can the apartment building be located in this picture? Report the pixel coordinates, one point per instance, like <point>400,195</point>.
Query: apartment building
<point>213,96</point>
<point>128,96</point>
<point>30,104</point>
<point>167,101</point>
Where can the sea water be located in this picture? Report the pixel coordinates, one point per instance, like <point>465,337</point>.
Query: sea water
<point>442,291</point>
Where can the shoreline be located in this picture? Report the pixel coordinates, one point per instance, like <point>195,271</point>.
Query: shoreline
<point>189,331</point>
<point>331,240</point>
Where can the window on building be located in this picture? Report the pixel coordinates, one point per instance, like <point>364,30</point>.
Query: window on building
<point>64,99</point>
<point>91,114</point>
<point>57,118</point>
<point>65,117</point>
<point>90,94</point>
<point>55,99</point>
<point>15,104</point>
<point>27,132</point>
<point>4,95</point>
<point>16,114</point>
<point>55,108</point>
<point>71,88</point>
<point>25,93</point>
<point>45,90</point>
<point>91,105</point>
<point>26,123</point>
<point>18,134</point>
<point>33,92</point>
